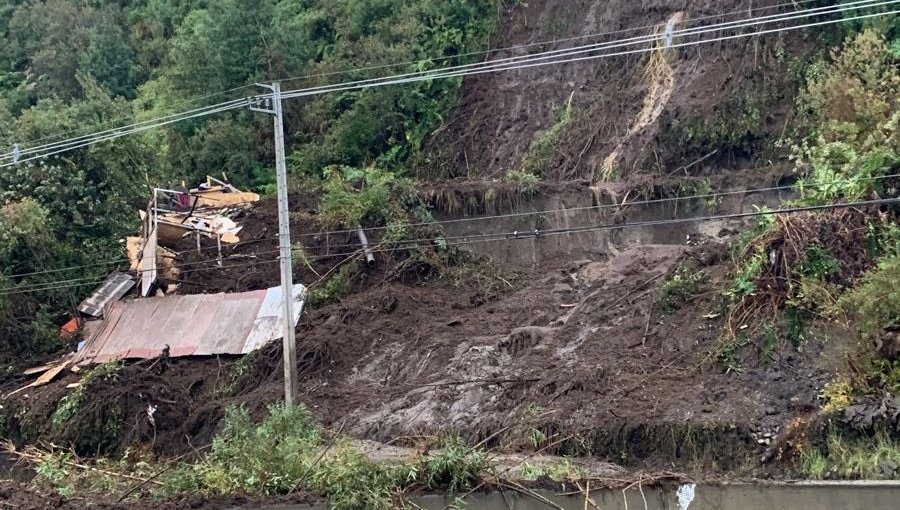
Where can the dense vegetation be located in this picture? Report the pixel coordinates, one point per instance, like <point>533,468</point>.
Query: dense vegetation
<point>791,269</point>
<point>284,453</point>
<point>78,66</point>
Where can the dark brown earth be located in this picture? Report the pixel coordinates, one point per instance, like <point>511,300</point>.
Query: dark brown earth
<point>502,114</point>
<point>576,348</point>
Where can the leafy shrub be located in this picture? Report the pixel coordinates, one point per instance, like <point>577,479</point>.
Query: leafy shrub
<point>819,263</point>
<point>455,465</point>
<point>852,107</point>
<point>267,458</point>
<point>842,457</point>
<point>69,405</point>
<point>351,194</point>
<point>336,286</point>
<point>679,288</point>
<point>745,281</point>
<point>286,452</point>
<point>876,300</point>
<point>524,179</point>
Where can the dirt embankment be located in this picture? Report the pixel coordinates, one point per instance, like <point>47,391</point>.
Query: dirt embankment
<point>742,83</point>
<point>578,350</point>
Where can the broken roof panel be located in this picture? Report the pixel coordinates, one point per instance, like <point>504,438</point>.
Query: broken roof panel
<point>112,289</point>
<point>200,325</point>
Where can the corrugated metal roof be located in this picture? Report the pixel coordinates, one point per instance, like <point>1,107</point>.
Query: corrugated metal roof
<point>112,289</point>
<point>197,325</point>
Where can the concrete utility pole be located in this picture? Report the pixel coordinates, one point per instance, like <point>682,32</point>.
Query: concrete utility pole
<point>272,106</point>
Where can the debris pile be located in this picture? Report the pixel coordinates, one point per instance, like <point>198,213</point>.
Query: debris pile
<point>177,325</point>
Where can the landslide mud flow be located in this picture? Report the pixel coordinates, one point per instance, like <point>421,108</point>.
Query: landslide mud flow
<point>579,350</point>
<point>566,337</point>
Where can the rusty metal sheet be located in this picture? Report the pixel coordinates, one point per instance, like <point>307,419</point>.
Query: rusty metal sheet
<point>204,324</point>
<point>115,286</point>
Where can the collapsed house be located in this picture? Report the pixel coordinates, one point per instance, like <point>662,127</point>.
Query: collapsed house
<point>157,321</point>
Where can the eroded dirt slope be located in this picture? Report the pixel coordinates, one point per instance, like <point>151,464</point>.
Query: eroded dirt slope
<point>578,350</point>
<point>501,115</point>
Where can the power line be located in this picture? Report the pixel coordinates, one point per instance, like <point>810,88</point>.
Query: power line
<point>601,206</point>
<point>650,38</point>
<point>795,3</point>
<point>133,129</point>
<point>518,63</point>
<point>541,43</point>
<point>28,146</point>
<point>511,64</point>
<point>450,57</point>
<point>441,223</point>
<point>530,61</point>
<point>64,284</point>
<point>512,236</point>
<point>509,236</point>
<point>72,141</point>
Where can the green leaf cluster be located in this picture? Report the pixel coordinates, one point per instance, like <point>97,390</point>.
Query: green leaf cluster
<point>73,67</point>
<point>852,108</point>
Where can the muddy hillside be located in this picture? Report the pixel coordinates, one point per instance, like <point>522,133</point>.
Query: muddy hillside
<point>628,113</point>
<point>580,260</point>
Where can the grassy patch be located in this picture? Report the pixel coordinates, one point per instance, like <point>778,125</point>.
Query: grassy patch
<point>727,353</point>
<point>869,458</point>
<point>836,395</point>
<point>238,373</point>
<point>485,275</point>
<point>69,405</point>
<point>543,148</point>
<point>736,126</point>
<point>702,188</point>
<point>525,180</point>
<point>288,452</point>
<point>334,287</point>
<point>680,287</point>
<point>558,471</point>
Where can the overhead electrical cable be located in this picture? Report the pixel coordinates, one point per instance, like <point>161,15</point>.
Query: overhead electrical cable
<point>441,223</point>
<point>654,26</point>
<point>539,60</point>
<point>598,207</point>
<point>750,9</point>
<point>510,63</point>
<point>29,144</point>
<point>512,236</point>
<point>508,236</point>
<point>134,129</point>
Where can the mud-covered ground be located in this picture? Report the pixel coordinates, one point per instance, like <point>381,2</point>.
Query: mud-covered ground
<point>24,496</point>
<point>579,351</point>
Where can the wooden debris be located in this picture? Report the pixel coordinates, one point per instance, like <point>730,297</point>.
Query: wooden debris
<point>39,369</point>
<point>133,247</point>
<point>48,376</point>
<point>36,456</point>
